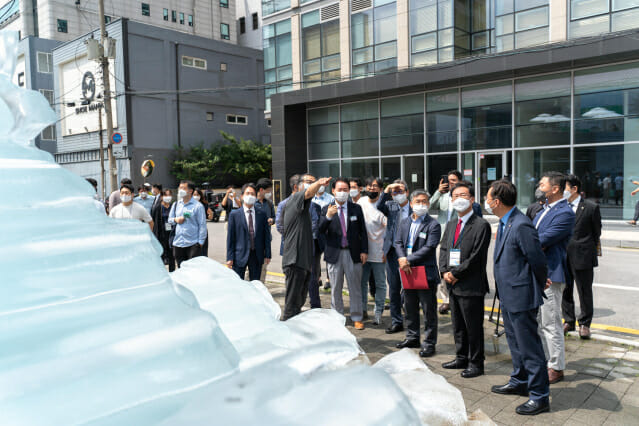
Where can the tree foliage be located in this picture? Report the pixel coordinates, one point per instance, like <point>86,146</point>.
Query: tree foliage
<point>224,162</point>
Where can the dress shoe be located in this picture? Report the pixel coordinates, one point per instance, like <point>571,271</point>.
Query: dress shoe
<point>358,325</point>
<point>444,308</point>
<point>532,408</point>
<point>555,376</point>
<point>412,343</point>
<point>327,285</point>
<point>395,328</point>
<point>427,352</point>
<point>568,327</point>
<point>365,316</point>
<point>455,365</point>
<point>509,389</point>
<point>471,372</point>
<point>584,332</point>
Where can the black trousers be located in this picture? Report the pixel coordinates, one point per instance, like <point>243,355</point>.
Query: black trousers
<point>428,300</point>
<point>297,280</point>
<point>583,279</point>
<point>636,216</point>
<point>316,269</point>
<point>185,253</point>
<point>468,327</point>
<point>254,268</point>
<point>167,254</point>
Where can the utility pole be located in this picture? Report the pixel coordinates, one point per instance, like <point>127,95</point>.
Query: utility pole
<point>104,61</point>
<point>101,156</point>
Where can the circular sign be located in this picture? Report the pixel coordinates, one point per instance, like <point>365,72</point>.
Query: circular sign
<point>147,168</point>
<point>88,86</point>
<point>116,138</point>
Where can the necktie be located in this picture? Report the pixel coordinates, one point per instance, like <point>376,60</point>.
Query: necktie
<point>457,231</point>
<point>342,221</point>
<point>251,230</point>
<point>500,234</point>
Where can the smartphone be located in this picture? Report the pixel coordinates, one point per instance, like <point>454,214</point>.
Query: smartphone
<point>444,178</point>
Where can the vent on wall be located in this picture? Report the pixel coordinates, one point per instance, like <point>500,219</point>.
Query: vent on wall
<point>360,4</point>
<point>330,12</point>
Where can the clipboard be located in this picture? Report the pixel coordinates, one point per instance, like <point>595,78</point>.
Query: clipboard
<point>416,280</point>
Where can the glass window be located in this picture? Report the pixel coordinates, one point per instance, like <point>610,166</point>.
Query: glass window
<point>173,16</point>
<point>624,4</point>
<point>531,164</point>
<point>589,26</point>
<point>531,37</point>
<point>503,6</point>
<point>63,26</point>
<point>439,165</point>
<point>391,169</point>
<point>324,168</point>
<point>402,125</point>
<point>277,58</point>
<point>375,27</point>
<point>165,14</point>
<point>272,6</point>
<point>359,125</point>
<point>585,8</point>
<point>181,18</point>
<point>414,171</point>
<point>606,173</point>
<point>487,117</point>
<point>319,41</point>
<point>625,20</point>
<point>531,19</point>
<point>323,133</point>
<point>365,168</point>
<point>45,62</point>
<point>504,25</point>
<point>224,31</point>
<point>527,4</point>
<point>442,120</point>
<point>146,9</point>
<point>190,20</point>
<point>224,3</point>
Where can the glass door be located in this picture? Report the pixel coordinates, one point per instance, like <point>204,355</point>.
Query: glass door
<point>491,168</point>
<point>414,172</point>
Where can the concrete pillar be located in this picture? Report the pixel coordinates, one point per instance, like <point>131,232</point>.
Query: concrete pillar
<point>403,35</point>
<point>296,50</point>
<point>558,20</point>
<point>345,37</point>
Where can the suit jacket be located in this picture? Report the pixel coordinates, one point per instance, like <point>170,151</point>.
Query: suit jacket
<point>424,246</point>
<point>473,245</point>
<point>582,247</point>
<point>534,208</point>
<point>316,213</point>
<point>555,231</point>
<point>238,245</point>
<point>391,209</point>
<point>519,265</point>
<point>355,233</point>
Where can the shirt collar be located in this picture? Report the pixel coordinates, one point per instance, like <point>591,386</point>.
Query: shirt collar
<point>576,201</point>
<point>420,219</point>
<point>553,204</point>
<point>248,208</point>
<point>466,217</point>
<point>504,219</point>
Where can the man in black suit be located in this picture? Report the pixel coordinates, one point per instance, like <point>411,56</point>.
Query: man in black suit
<point>462,264</point>
<point>416,244</point>
<point>342,223</point>
<point>582,258</point>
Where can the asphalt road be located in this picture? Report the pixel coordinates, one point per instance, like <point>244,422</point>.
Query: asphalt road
<point>616,288</point>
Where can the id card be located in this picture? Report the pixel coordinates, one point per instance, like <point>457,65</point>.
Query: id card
<point>422,235</point>
<point>455,257</point>
<point>409,250</point>
<point>167,226</point>
<point>353,218</point>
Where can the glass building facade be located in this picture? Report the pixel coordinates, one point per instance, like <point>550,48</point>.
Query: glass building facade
<point>584,121</point>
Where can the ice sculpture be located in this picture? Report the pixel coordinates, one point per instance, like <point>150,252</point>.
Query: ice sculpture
<point>87,336</point>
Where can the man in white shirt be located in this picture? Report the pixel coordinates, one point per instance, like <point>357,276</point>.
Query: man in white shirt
<point>127,209</point>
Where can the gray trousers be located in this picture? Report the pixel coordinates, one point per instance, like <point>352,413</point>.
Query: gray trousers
<point>551,328</point>
<point>353,272</point>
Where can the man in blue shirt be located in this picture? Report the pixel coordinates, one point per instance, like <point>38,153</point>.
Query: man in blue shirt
<point>189,219</point>
<point>144,199</point>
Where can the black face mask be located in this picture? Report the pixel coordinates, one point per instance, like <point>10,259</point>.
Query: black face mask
<point>372,194</point>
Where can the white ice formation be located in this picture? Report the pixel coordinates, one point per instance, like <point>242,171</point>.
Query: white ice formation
<point>93,330</point>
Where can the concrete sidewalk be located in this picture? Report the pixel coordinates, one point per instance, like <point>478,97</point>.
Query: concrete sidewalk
<point>601,383</point>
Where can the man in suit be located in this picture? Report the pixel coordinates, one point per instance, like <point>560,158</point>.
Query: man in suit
<point>582,258</point>
<point>342,224</point>
<point>462,264</point>
<point>318,248</point>
<point>537,205</point>
<point>156,191</point>
<point>520,277</point>
<point>416,245</point>
<point>554,225</point>
<point>248,239</point>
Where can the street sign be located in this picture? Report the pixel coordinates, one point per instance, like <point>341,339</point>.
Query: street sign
<point>147,168</point>
<point>116,138</point>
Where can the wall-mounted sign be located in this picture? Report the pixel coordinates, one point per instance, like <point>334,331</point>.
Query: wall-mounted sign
<point>116,138</point>
<point>147,168</point>
<point>492,173</point>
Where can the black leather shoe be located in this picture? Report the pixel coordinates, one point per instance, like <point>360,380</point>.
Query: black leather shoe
<point>455,365</point>
<point>509,389</point>
<point>471,372</point>
<point>408,344</point>
<point>395,328</point>
<point>427,352</point>
<point>532,408</point>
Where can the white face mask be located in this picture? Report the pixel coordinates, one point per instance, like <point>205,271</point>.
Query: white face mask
<point>249,200</point>
<point>321,189</point>
<point>268,195</point>
<point>197,197</point>
<point>143,195</point>
<point>353,193</point>
<point>181,193</point>
<point>420,210</point>
<point>125,198</point>
<point>567,194</point>
<point>167,199</point>
<point>341,197</point>
<point>400,198</point>
<point>461,204</point>
<point>305,186</point>
<point>487,207</point>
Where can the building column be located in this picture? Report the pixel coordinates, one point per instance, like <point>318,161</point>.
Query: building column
<point>296,51</point>
<point>345,38</point>
<point>403,35</point>
<point>558,20</point>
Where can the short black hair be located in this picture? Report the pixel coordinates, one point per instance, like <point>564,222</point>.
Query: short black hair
<point>249,185</point>
<point>189,184</point>
<point>126,181</point>
<point>141,188</point>
<point>357,180</point>
<point>574,182</point>
<point>464,184</point>
<point>341,179</point>
<point>127,186</point>
<point>556,178</point>
<point>264,183</point>
<point>371,180</point>
<point>293,181</point>
<point>158,186</point>
<point>456,173</point>
<point>505,191</point>
<point>93,182</point>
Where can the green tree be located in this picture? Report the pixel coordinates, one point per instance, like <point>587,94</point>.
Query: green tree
<point>224,162</point>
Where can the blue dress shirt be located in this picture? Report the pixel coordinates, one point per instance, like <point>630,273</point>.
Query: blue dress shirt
<point>193,230</point>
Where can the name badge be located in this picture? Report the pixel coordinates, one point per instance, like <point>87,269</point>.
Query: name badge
<point>353,218</point>
<point>167,226</point>
<point>422,235</point>
<point>409,250</point>
<point>455,257</point>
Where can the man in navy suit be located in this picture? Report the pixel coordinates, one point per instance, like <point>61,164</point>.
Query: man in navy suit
<point>520,276</point>
<point>554,224</point>
<point>248,240</point>
<point>416,244</point>
<point>342,224</point>
<point>318,249</point>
